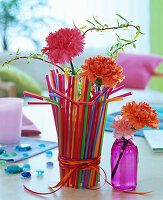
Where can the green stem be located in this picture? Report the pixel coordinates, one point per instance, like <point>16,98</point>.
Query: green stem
<point>72,68</point>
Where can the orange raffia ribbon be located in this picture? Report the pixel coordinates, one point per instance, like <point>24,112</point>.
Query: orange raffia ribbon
<point>83,164</point>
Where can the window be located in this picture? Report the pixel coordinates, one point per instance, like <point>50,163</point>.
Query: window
<point>35,19</point>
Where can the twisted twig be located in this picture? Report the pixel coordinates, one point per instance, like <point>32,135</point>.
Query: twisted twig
<point>108,28</point>
<point>17,58</point>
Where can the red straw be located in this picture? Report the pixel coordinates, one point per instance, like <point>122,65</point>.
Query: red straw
<point>67,120</point>
<point>64,119</point>
<point>53,106</point>
<point>33,95</point>
<point>53,78</point>
<point>62,114</point>
<point>124,95</point>
<point>117,89</point>
<point>70,124</point>
<point>81,129</point>
<point>38,103</point>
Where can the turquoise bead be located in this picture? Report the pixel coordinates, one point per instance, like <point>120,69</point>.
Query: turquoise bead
<point>49,153</point>
<point>39,172</point>
<point>41,145</point>
<point>4,155</point>
<point>2,162</point>
<point>26,166</point>
<point>25,155</point>
<point>23,147</point>
<point>13,154</point>
<point>13,169</point>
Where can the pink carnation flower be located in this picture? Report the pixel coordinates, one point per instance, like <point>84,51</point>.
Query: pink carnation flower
<point>122,128</point>
<point>63,45</point>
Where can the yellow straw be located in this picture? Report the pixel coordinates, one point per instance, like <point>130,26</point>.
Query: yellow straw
<point>66,73</point>
<point>74,111</point>
<point>52,79</point>
<point>114,99</point>
<point>38,95</point>
<point>93,87</point>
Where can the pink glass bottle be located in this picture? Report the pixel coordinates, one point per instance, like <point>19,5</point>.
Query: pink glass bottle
<point>124,159</point>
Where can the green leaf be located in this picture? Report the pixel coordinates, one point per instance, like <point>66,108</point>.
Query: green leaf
<point>122,49</point>
<point>122,25</point>
<point>126,40</point>
<point>134,45</point>
<point>106,25</point>
<point>118,36</point>
<point>97,21</point>
<point>73,23</point>
<point>29,60</point>
<point>42,56</point>
<point>90,22</point>
<point>83,27</point>
<point>116,53</point>
<point>122,17</point>
<point>117,22</point>
<point>138,27</point>
<point>111,48</point>
<point>137,34</point>
<point>17,53</point>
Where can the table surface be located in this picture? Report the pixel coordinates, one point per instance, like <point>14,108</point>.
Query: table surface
<point>150,173</point>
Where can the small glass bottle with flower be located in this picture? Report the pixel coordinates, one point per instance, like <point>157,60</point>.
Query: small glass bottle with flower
<point>124,152</point>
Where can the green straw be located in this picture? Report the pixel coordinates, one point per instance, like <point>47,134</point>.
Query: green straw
<point>53,102</point>
<point>84,130</point>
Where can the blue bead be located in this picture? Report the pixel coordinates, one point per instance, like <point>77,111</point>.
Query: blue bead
<point>26,174</point>
<point>13,169</point>
<point>26,166</point>
<point>2,151</point>
<point>39,172</point>
<point>41,145</point>
<point>49,164</point>
<point>25,155</point>
<point>49,153</point>
<point>23,147</point>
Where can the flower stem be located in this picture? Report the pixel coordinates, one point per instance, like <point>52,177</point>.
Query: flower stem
<point>125,142</point>
<point>72,68</point>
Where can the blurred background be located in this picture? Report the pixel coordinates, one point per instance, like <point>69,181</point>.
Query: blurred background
<point>25,25</point>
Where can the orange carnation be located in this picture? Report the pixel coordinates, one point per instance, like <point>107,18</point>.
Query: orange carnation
<point>103,68</point>
<point>140,115</point>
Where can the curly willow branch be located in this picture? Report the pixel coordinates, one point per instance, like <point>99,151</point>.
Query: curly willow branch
<point>17,58</point>
<point>109,28</point>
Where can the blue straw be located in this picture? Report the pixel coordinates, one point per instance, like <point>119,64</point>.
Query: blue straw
<point>90,128</point>
<point>54,95</point>
<point>98,130</point>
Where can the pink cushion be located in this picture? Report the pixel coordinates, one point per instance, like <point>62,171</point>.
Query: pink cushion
<point>138,69</point>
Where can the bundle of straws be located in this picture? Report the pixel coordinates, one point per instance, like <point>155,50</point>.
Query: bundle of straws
<point>79,118</point>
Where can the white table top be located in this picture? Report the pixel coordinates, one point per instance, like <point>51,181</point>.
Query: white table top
<point>150,173</point>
